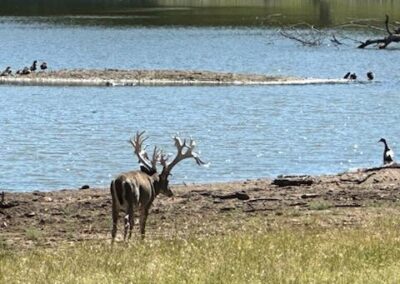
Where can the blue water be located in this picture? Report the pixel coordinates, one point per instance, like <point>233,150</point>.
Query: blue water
<point>54,138</point>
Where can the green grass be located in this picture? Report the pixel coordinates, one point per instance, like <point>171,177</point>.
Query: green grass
<point>369,254</point>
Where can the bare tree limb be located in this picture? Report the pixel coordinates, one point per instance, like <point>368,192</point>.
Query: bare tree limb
<point>384,42</point>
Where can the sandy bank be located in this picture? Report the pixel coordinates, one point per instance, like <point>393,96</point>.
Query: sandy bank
<point>69,216</point>
<point>114,77</point>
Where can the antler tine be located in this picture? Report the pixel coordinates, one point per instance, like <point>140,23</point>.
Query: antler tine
<point>181,154</point>
<point>163,159</point>
<point>137,143</point>
<point>194,155</point>
<point>156,157</point>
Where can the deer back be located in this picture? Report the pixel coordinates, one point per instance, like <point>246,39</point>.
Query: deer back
<point>134,187</point>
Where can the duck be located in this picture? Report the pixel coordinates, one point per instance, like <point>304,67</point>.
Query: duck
<point>347,75</point>
<point>6,72</point>
<point>353,76</point>
<point>43,66</point>
<point>33,67</point>
<point>388,155</point>
<point>370,76</point>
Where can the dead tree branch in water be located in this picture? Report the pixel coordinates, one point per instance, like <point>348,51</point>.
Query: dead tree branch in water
<point>308,35</point>
<point>303,33</point>
<point>393,36</point>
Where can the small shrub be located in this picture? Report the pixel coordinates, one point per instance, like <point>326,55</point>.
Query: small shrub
<point>319,205</point>
<point>33,234</point>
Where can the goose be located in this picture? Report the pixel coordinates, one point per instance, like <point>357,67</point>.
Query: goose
<point>370,76</point>
<point>6,72</point>
<point>347,75</point>
<point>26,71</point>
<point>353,76</point>
<point>33,67</point>
<point>43,66</point>
<point>388,155</point>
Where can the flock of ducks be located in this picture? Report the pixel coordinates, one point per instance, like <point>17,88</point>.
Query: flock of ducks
<point>353,76</point>
<point>25,70</point>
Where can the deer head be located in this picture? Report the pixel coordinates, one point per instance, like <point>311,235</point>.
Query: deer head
<point>185,150</point>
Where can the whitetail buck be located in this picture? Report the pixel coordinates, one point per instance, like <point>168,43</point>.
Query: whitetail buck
<point>139,188</point>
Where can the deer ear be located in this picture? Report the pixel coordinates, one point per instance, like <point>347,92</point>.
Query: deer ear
<point>146,170</point>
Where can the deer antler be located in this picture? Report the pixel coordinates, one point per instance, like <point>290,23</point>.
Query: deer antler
<point>181,155</point>
<point>137,143</point>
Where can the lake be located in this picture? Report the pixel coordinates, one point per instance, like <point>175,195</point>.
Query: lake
<point>54,138</point>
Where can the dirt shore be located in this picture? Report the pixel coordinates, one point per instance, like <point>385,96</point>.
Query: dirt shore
<point>69,216</point>
<point>117,77</point>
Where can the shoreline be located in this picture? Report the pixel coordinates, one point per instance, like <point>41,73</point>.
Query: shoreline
<point>130,78</point>
<point>71,216</point>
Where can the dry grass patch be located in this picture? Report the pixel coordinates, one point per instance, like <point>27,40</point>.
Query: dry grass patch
<point>254,254</point>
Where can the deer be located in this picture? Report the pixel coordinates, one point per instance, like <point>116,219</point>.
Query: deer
<point>137,189</point>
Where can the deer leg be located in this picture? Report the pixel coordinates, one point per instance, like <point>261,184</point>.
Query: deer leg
<point>126,226</point>
<point>131,221</point>
<point>115,213</point>
<point>129,213</point>
<point>115,223</point>
<point>144,212</point>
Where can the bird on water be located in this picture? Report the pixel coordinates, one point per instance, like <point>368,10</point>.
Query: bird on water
<point>388,155</point>
<point>353,76</point>
<point>370,76</point>
<point>347,75</point>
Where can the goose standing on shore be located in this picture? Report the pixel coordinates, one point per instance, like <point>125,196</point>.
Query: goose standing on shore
<point>33,67</point>
<point>25,71</point>
<point>388,155</point>
<point>43,66</point>
<point>6,72</point>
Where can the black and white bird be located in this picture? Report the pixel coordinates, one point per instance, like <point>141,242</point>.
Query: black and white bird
<point>6,72</point>
<point>388,155</point>
<point>347,75</point>
<point>43,66</point>
<point>25,71</point>
<point>370,76</point>
<point>33,67</point>
<point>353,76</point>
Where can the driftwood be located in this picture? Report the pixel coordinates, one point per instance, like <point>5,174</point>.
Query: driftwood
<point>347,205</point>
<point>361,180</point>
<point>238,194</point>
<point>393,36</point>
<point>283,181</point>
<point>374,169</point>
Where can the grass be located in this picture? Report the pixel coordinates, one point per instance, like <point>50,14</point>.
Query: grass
<point>369,254</point>
<point>33,234</point>
<point>319,205</point>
